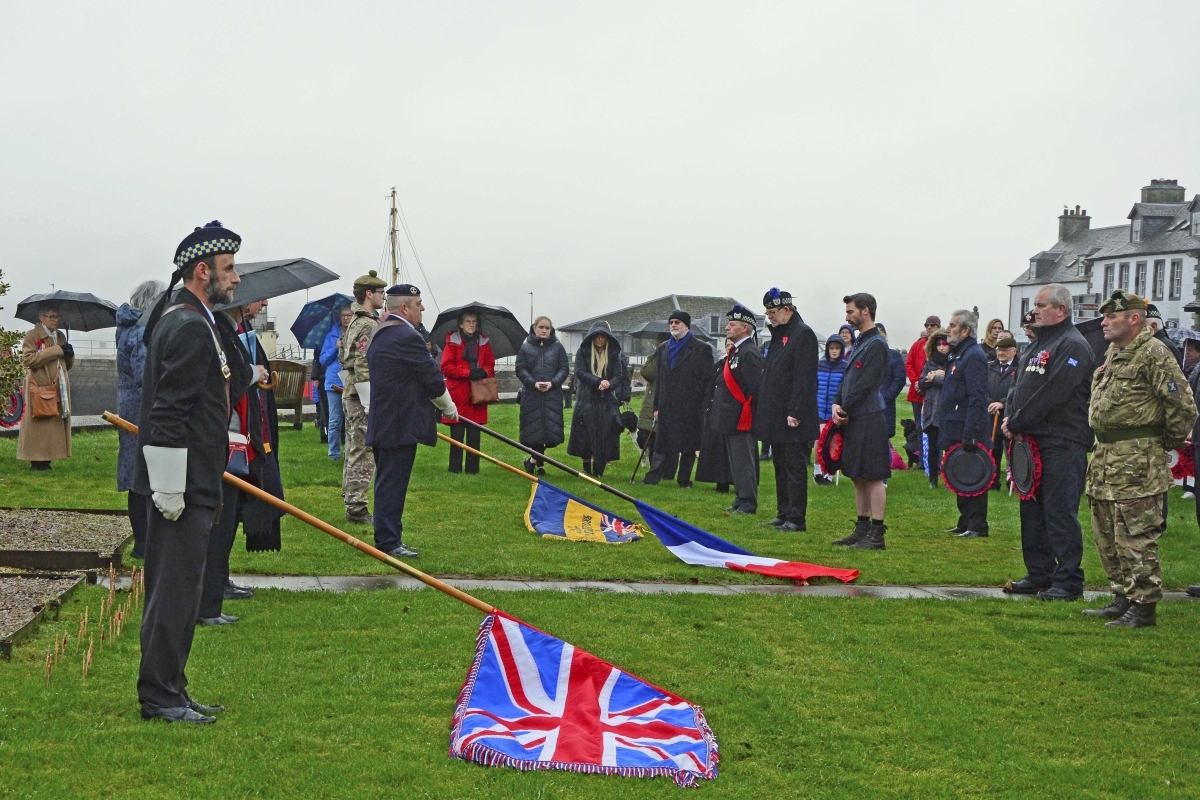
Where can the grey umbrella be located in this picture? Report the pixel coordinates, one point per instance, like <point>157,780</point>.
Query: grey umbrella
<point>77,311</point>
<point>496,322</point>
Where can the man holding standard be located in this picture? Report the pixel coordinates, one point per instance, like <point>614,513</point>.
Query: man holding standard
<point>858,408</point>
<point>407,392</point>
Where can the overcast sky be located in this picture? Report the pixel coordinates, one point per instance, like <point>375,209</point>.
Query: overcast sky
<point>597,155</point>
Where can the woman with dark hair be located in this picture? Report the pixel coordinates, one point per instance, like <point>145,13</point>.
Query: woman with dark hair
<point>468,357</point>
<point>46,428</point>
<point>131,362</point>
<point>601,385</point>
<point>933,374</point>
<point>542,367</point>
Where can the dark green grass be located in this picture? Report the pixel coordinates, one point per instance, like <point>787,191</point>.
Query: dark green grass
<point>351,696</point>
<point>473,524</point>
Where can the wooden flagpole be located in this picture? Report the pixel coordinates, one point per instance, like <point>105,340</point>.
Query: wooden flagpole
<point>485,456</point>
<point>325,527</point>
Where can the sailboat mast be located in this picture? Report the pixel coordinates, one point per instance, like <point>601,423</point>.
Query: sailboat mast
<point>394,242</point>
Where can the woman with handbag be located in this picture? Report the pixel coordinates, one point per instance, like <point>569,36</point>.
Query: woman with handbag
<point>470,369</point>
<point>542,367</point>
<point>46,429</point>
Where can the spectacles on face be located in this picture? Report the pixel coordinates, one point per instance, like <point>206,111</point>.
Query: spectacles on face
<point>930,326</point>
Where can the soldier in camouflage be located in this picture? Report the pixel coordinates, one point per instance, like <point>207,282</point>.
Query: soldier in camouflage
<point>358,470</point>
<point>1141,407</point>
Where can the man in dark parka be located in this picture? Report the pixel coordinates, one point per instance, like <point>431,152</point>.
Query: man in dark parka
<point>684,367</point>
<point>786,414</point>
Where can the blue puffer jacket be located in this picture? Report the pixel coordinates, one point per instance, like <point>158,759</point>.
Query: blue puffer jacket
<point>830,372</point>
<point>329,358</point>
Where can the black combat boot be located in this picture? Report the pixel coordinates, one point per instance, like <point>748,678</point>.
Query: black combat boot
<point>874,538</point>
<point>1138,615</point>
<point>860,532</point>
<point>1119,605</point>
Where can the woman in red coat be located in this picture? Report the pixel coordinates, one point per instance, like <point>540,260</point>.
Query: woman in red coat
<point>468,357</point>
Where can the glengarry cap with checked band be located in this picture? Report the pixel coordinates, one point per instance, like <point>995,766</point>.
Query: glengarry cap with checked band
<point>213,239</point>
<point>739,313</point>
<point>775,298</point>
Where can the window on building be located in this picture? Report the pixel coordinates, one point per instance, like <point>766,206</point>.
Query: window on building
<point>1176,278</point>
<point>1108,280</point>
<point>1136,235</point>
<point>1196,224</point>
<point>1139,279</point>
<point>1123,280</point>
<point>1024,306</point>
<point>714,324</point>
<point>1160,269</point>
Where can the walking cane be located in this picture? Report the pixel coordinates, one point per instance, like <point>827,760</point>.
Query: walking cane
<point>325,527</point>
<point>642,455</point>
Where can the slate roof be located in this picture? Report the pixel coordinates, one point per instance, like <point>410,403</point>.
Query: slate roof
<point>1065,268</point>
<point>624,320</point>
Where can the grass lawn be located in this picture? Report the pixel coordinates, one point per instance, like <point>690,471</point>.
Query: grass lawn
<point>473,525</point>
<point>351,696</point>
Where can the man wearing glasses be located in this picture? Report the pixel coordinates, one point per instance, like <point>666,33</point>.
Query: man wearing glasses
<point>916,362</point>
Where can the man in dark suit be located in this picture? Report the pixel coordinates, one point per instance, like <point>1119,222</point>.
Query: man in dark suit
<point>962,412</point>
<point>684,367</point>
<point>733,401</point>
<point>407,391</point>
<point>786,413</point>
<point>183,444</point>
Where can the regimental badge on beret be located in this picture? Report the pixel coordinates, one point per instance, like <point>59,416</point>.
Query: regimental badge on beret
<point>211,240</point>
<point>739,313</point>
<point>776,298</point>
<point>1122,301</point>
<point>404,290</point>
<point>370,282</point>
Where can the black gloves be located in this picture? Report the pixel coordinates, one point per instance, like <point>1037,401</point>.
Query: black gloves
<point>969,445</point>
<point>68,350</point>
<point>477,373</point>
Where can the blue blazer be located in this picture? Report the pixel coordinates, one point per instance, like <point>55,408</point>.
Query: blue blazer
<point>962,410</point>
<point>404,378</point>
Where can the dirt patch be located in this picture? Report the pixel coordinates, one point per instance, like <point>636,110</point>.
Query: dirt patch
<point>37,529</point>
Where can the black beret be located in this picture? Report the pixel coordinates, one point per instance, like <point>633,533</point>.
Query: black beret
<point>404,290</point>
<point>776,298</point>
<point>740,313</point>
<point>682,316</point>
<point>213,239</point>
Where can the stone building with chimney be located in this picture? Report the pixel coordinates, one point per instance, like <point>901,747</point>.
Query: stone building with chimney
<point>1155,254</point>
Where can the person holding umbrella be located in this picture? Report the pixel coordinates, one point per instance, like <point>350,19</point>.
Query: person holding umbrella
<point>46,429</point>
<point>467,358</point>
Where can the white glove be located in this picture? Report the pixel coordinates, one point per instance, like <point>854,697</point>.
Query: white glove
<point>169,503</point>
<point>446,405</point>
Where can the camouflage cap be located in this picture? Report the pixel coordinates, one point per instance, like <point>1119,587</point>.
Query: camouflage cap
<point>1123,301</point>
<point>370,282</point>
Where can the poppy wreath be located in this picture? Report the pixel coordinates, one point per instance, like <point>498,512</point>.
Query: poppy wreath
<point>829,448</point>
<point>1036,454</point>
<point>1185,464</point>
<point>958,446</point>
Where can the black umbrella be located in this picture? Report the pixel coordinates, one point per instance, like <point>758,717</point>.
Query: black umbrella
<point>1090,328</point>
<point>496,322</point>
<point>77,311</point>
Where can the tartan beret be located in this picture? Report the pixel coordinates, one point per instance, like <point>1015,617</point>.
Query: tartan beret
<point>210,240</point>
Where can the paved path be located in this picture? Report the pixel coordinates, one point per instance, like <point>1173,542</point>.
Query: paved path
<point>348,583</point>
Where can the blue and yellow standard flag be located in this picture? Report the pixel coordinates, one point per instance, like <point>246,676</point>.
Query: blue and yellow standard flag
<point>555,513</point>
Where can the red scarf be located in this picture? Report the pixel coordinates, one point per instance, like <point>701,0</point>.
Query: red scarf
<point>746,420</point>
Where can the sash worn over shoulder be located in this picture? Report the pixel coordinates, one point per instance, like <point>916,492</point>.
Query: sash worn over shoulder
<point>746,419</point>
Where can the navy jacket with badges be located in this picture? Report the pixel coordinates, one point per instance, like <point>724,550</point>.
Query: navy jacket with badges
<point>184,400</point>
<point>869,368</point>
<point>789,385</point>
<point>1054,384</point>
<point>746,367</point>
<point>404,378</point>
<point>962,413</point>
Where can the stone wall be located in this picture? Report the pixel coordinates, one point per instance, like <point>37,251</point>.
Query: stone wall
<point>93,386</point>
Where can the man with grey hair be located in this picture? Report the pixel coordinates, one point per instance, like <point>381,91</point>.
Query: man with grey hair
<point>962,412</point>
<point>1049,406</point>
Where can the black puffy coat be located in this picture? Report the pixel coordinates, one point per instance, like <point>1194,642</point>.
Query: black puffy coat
<point>596,422</point>
<point>542,412</point>
<point>679,396</point>
<point>789,385</point>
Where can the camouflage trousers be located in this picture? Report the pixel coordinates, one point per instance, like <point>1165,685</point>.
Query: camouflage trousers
<point>1126,533</point>
<point>358,468</point>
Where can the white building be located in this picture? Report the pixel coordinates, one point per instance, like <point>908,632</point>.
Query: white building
<point>1154,255</point>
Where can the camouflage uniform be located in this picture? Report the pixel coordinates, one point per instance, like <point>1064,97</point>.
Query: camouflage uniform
<point>1141,407</point>
<point>358,470</point>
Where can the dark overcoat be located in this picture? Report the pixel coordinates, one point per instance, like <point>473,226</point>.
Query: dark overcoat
<point>542,360</point>
<point>789,385</point>
<point>404,379</point>
<point>596,422</point>
<point>679,395</point>
<point>713,464</point>
<point>962,413</point>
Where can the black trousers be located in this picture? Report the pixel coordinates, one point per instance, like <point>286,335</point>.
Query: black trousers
<point>136,503</point>
<point>1051,538</point>
<point>220,545</point>
<point>743,466</point>
<point>457,432</point>
<point>791,479</point>
<point>998,453</point>
<point>935,455</point>
<point>322,403</point>
<point>176,553</point>
<point>972,511</point>
<point>668,464</point>
<point>393,469</point>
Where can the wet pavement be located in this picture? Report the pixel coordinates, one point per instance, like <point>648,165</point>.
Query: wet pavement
<point>352,583</point>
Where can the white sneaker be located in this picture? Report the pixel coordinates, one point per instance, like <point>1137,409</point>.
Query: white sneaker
<point>1188,496</point>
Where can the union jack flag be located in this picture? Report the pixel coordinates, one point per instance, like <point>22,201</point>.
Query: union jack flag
<point>532,701</point>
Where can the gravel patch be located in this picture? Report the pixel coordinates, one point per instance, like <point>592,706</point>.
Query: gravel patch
<point>19,596</point>
<point>34,529</point>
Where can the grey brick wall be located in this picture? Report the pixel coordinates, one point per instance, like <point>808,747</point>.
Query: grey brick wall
<point>93,386</point>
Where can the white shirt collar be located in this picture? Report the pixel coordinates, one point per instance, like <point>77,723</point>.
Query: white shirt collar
<point>745,339</point>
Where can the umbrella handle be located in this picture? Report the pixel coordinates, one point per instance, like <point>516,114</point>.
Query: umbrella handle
<point>272,384</point>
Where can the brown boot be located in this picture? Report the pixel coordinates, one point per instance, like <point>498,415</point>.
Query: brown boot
<point>1114,610</point>
<point>874,538</point>
<point>1139,615</point>
<point>861,527</point>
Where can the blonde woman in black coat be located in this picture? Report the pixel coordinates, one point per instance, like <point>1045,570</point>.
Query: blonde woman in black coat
<point>542,368</point>
<point>601,385</point>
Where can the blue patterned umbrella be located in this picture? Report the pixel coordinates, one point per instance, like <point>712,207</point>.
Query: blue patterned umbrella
<point>315,320</point>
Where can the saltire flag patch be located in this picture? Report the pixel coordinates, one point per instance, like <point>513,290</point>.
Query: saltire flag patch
<point>694,546</point>
<point>555,513</point>
<point>532,701</point>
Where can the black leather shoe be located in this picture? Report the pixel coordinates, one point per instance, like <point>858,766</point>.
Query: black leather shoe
<point>1114,610</point>
<point>1055,593</point>
<point>648,482</point>
<point>223,619</point>
<point>745,510</point>
<point>861,528</point>
<point>973,535</point>
<point>235,592</point>
<point>687,485</point>
<point>360,517</point>
<point>1023,586</point>
<point>1193,591</point>
<point>403,551</point>
<point>955,529</point>
<point>732,509</point>
<point>1138,615</point>
<point>791,527</point>
<point>175,714</point>
<point>200,708</point>
<point>775,523</point>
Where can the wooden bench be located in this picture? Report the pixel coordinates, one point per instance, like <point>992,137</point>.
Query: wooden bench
<point>289,392</point>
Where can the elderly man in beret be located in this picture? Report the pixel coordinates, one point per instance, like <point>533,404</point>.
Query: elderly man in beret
<point>358,468</point>
<point>733,403</point>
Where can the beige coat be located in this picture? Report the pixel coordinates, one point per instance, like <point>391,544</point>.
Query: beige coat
<point>46,439</point>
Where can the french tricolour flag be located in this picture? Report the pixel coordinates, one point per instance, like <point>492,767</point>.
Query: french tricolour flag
<point>694,546</point>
